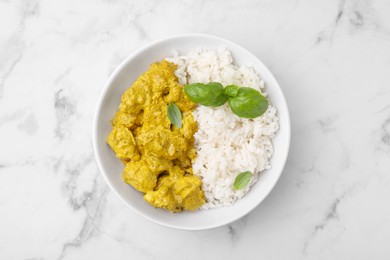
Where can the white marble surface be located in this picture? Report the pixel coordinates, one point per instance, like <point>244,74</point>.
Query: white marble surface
<point>332,59</point>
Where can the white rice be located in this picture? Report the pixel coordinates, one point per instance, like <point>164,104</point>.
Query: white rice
<point>226,144</point>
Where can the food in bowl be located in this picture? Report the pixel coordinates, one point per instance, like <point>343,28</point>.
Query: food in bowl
<point>194,131</point>
<point>157,155</point>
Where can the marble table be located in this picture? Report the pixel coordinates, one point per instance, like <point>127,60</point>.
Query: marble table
<point>332,60</point>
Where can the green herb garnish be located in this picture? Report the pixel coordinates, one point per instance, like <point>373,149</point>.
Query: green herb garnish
<point>231,90</point>
<point>244,102</point>
<point>248,103</point>
<point>174,115</point>
<point>242,180</point>
<point>210,95</point>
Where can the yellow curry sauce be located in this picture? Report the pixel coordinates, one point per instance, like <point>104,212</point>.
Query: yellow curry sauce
<point>158,156</point>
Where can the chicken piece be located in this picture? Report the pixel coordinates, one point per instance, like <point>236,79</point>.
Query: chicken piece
<point>163,78</point>
<point>156,114</point>
<point>163,143</point>
<point>135,97</point>
<point>172,94</point>
<point>122,141</point>
<point>140,176</point>
<point>188,193</point>
<point>148,87</point>
<point>176,172</point>
<point>189,127</point>
<point>176,192</point>
<point>175,94</point>
<point>157,164</point>
<point>123,119</point>
<point>139,119</point>
<point>162,196</point>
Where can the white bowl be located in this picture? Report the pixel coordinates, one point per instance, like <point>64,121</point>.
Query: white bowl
<point>112,168</point>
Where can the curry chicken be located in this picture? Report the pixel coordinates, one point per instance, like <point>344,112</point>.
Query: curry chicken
<point>157,155</point>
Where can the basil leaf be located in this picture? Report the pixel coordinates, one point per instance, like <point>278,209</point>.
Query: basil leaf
<point>242,180</point>
<point>210,94</point>
<point>248,103</point>
<point>231,90</point>
<point>174,115</point>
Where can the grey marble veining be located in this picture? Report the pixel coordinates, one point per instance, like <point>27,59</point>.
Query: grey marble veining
<point>332,61</point>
